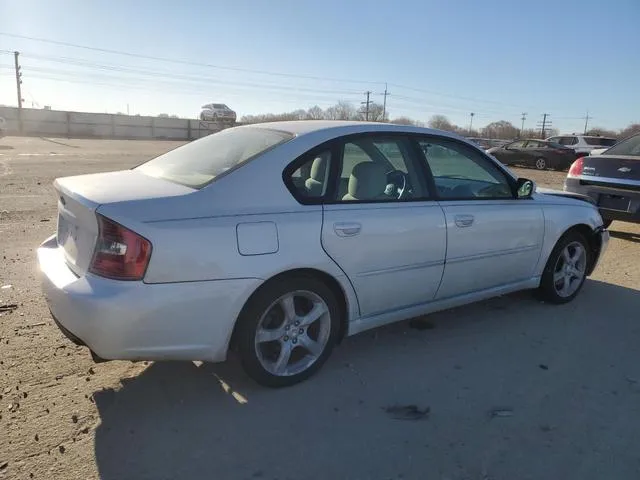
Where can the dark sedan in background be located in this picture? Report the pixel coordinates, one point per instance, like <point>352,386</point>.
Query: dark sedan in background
<point>535,153</point>
<point>611,179</point>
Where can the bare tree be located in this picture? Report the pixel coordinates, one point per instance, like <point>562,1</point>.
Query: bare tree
<point>602,132</point>
<point>404,121</point>
<point>341,111</point>
<point>441,123</point>
<point>375,113</point>
<point>500,129</point>
<point>315,113</point>
<point>630,130</point>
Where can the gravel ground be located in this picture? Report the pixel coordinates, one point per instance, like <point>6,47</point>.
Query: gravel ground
<point>510,388</point>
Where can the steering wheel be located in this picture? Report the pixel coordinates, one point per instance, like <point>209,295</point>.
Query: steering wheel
<point>398,179</point>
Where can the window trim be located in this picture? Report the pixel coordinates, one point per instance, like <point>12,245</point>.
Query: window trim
<point>511,180</point>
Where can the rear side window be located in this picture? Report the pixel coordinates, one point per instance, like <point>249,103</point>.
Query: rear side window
<point>198,163</point>
<point>601,142</point>
<point>567,140</point>
<point>311,178</point>
<point>630,146</point>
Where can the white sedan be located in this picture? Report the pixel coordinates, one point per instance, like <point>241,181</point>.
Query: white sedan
<point>280,239</point>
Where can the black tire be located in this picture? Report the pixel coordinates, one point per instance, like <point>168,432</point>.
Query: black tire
<point>606,222</point>
<point>541,163</point>
<point>253,311</point>
<point>547,290</point>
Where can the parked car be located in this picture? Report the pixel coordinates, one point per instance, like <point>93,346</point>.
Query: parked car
<point>217,112</point>
<point>534,153</point>
<point>279,239</point>
<point>611,179</point>
<point>583,144</point>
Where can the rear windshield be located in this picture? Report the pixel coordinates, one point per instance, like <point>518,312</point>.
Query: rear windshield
<point>603,142</point>
<point>198,163</point>
<point>630,146</point>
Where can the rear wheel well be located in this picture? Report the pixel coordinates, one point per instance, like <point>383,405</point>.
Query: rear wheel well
<point>330,281</point>
<point>595,243</point>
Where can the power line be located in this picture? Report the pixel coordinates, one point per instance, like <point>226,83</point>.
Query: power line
<point>523,118</point>
<point>185,62</point>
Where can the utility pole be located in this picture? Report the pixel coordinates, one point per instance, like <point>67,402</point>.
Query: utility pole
<point>471,122</point>
<point>18,78</point>
<point>524,117</point>
<point>545,123</point>
<point>586,121</point>
<point>384,103</point>
<point>19,89</point>
<point>367,103</point>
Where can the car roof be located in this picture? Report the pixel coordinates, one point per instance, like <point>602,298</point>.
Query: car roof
<point>345,127</point>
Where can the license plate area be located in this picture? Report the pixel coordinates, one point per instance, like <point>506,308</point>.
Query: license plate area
<point>614,202</point>
<point>67,236</point>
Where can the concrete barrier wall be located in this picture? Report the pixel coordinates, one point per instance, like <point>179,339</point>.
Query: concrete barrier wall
<point>30,121</point>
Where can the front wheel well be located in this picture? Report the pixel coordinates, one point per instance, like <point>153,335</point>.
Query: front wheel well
<point>594,240</point>
<point>329,280</point>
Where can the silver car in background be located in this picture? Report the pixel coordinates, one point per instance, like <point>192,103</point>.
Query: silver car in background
<point>280,239</point>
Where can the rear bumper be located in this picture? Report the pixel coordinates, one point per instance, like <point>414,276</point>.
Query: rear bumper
<point>632,214</point>
<point>138,321</point>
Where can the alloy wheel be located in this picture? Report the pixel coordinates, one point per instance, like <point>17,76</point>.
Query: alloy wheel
<point>570,269</point>
<point>292,333</point>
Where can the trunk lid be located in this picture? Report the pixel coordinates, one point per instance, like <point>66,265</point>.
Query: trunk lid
<point>604,168</point>
<point>80,196</point>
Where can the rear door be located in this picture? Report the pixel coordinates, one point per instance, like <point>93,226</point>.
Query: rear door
<point>493,239</point>
<point>381,224</point>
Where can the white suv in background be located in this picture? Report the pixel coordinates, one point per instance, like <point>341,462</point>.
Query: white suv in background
<point>217,112</point>
<point>583,144</point>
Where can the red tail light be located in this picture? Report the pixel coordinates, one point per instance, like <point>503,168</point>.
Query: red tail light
<point>576,168</point>
<point>120,253</point>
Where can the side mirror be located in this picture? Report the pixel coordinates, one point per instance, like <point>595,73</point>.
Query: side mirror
<point>525,188</point>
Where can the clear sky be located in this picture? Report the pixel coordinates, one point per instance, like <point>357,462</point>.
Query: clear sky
<point>496,58</point>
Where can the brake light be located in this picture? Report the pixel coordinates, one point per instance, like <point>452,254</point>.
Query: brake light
<point>576,168</point>
<point>120,253</point>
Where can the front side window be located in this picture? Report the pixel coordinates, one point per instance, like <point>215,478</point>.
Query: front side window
<point>462,173</point>
<point>378,169</point>
<point>198,163</point>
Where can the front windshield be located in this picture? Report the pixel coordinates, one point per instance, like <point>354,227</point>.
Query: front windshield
<point>630,146</point>
<point>198,163</point>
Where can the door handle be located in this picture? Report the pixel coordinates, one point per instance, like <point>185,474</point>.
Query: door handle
<point>347,229</point>
<point>464,220</point>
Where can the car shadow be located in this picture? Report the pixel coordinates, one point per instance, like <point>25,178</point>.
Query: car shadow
<point>629,236</point>
<point>509,354</point>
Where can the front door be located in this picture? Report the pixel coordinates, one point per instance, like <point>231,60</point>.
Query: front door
<point>382,227</point>
<point>493,239</point>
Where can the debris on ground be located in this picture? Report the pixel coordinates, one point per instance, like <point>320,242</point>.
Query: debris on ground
<point>421,324</point>
<point>501,412</point>
<point>407,412</point>
<point>6,287</point>
<point>74,418</point>
<point>13,407</point>
<point>9,307</point>
<point>61,449</point>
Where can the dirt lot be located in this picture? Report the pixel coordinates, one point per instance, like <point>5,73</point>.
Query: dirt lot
<point>563,383</point>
